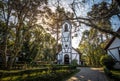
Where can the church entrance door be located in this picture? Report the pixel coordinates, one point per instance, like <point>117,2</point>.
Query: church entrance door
<point>66,59</point>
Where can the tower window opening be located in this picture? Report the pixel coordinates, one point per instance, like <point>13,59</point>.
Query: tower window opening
<point>66,27</point>
<point>66,45</point>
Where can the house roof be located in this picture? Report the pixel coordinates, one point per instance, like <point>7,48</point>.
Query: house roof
<point>109,43</point>
<point>112,39</point>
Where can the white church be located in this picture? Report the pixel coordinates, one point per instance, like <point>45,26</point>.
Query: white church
<point>68,53</point>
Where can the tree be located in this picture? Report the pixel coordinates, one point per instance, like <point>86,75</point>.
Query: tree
<point>15,15</point>
<point>91,48</point>
<point>104,12</point>
<point>41,45</point>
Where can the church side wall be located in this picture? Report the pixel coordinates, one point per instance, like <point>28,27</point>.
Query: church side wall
<point>75,55</point>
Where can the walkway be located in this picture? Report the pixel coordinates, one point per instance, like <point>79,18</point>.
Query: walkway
<point>89,74</point>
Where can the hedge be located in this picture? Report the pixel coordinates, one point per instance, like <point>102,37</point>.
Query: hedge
<point>112,74</point>
<point>42,74</point>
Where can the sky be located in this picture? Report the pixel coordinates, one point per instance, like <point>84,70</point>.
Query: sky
<point>81,10</point>
<point>115,22</point>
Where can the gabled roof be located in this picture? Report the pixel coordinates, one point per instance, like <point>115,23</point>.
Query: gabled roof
<point>112,39</point>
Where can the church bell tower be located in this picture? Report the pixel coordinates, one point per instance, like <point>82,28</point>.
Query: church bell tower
<point>66,42</point>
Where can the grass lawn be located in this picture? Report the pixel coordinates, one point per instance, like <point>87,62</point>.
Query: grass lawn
<point>43,74</point>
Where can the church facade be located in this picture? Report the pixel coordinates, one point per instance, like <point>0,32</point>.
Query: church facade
<point>68,53</point>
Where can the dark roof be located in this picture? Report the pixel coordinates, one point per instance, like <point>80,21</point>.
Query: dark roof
<point>77,50</point>
<point>112,39</point>
<point>109,43</point>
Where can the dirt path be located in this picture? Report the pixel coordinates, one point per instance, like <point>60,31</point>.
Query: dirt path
<point>89,74</point>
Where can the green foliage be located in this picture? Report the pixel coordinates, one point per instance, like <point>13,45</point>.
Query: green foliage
<point>107,61</point>
<point>107,71</point>
<point>56,73</point>
<point>74,62</point>
<point>29,60</point>
<point>91,53</point>
<point>91,47</point>
<point>114,74</point>
<point>17,34</point>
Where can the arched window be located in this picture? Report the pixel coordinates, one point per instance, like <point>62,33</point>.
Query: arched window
<point>66,27</point>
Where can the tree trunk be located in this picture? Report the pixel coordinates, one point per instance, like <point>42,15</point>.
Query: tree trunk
<point>17,45</point>
<point>10,63</point>
<point>4,62</point>
<point>57,39</point>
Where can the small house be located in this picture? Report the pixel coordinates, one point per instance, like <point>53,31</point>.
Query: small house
<point>113,49</point>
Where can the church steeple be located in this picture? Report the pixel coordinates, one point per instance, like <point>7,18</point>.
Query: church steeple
<point>67,54</point>
<point>66,41</point>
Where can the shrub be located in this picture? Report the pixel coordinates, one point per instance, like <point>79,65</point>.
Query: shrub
<point>29,60</point>
<point>116,74</point>
<point>107,61</point>
<point>107,72</point>
<point>51,73</point>
<point>74,62</point>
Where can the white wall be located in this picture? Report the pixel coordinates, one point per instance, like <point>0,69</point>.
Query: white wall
<point>75,55</point>
<point>113,49</point>
<point>115,53</point>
